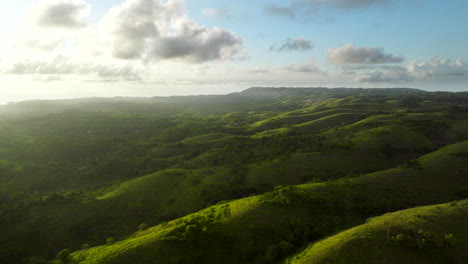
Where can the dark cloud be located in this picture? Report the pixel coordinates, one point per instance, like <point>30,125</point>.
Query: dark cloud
<point>60,13</point>
<point>198,44</point>
<point>349,54</point>
<point>298,44</point>
<point>155,29</point>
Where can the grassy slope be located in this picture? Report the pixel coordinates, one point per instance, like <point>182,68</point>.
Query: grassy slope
<point>317,124</point>
<point>268,220</point>
<point>289,119</point>
<point>173,193</point>
<point>151,199</point>
<point>375,241</point>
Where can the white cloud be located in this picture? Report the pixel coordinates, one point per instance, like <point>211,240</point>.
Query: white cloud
<point>60,13</point>
<point>132,40</point>
<point>393,75</point>
<point>158,30</point>
<point>349,53</point>
<point>60,65</point>
<point>436,69</point>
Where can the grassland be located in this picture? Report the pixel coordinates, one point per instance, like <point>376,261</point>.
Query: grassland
<point>251,177</point>
<point>429,234</point>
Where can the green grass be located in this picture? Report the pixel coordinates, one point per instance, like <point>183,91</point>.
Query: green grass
<point>275,224</point>
<point>329,122</point>
<point>288,120</point>
<point>80,171</point>
<point>395,135</point>
<point>205,138</point>
<point>429,234</point>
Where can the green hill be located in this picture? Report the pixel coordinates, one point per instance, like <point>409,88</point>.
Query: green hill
<point>429,234</point>
<point>276,224</point>
<point>76,173</point>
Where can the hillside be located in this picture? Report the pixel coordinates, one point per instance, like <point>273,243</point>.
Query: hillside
<point>272,168</point>
<point>283,220</point>
<point>430,234</point>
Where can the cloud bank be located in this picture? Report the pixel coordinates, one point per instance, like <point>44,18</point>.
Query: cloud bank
<point>436,69</point>
<point>63,66</point>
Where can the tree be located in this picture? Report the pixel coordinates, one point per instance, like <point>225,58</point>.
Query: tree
<point>110,240</point>
<point>143,226</point>
<point>63,255</point>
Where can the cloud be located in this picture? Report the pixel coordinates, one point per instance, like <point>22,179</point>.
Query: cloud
<point>308,67</point>
<point>349,53</point>
<point>43,44</point>
<point>391,75</point>
<point>217,12</point>
<point>259,70</point>
<point>310,8</point>
<point>280,11</point>
<point>347,3</point>
<point>60,66</point>
<point>298,44</point>
<point>198,44</point>
<point>160,30</point>
<point>436,69</point>
<point>67,14</point>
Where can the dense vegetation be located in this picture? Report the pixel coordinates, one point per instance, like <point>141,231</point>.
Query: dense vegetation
<point>250,177</point>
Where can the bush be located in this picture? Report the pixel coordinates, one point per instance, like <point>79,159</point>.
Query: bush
<point>142,227</point>
<point>37,260</point>
<point>288,195</point>
<point>63,255</point>
<point>412,164</point>
<point>450,240</point>
<point>110,240</point>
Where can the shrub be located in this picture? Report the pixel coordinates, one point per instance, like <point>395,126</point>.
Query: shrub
<point>63,255</point>
<point>37,260</point>
<point>450,240</point>
<point>412,164</point>
<point>110,240</point>
<point>142,227</point>
<point>288,195</point>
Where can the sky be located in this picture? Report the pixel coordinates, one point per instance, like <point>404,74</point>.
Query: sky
<point>52,49</point>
